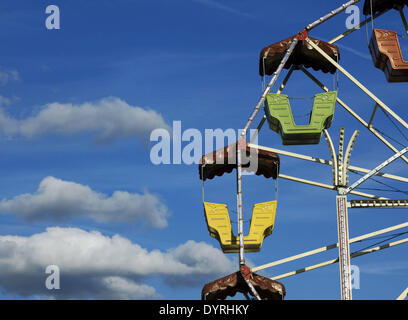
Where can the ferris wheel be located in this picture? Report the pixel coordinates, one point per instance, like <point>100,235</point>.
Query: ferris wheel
<point>298,54</point>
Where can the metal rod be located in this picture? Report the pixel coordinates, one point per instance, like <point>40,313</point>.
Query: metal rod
<point>346,33</point>
<point>240,208</point>
<point>347,156</point>
<point>253,290</point>
<point>329,262</point>
<point>404,21</point>
<point>331,14</point>
<point>357,83</point>
<point>340,159</point>
<point>374,204</point>
<point>403,295</point>
<point>260,125</point>
<point>373,114</point>
<point>326,186</point>
<point>325,162</point>
<point>285,81</point>
<point>333,156</point>
<point>329,247</point>
<point>375,170</point>
<point>344,248</point>
<point>381,174</point>
<point>291,154</point>
<point>354,114</point>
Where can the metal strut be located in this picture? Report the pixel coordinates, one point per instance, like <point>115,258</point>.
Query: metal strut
<point>403,295</point>
<point>344,247</point>
<point>379,203</point>
<point>331,14</point>
<point>375,170</point>
<point>340,165</point>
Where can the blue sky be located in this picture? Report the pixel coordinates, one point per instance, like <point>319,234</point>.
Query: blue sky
<point>78,188</point>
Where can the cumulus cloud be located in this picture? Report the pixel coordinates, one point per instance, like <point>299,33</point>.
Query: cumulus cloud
<point>59,200</point>
<point>7,76</point>
<point>97,266</point>
<point>110,118</point>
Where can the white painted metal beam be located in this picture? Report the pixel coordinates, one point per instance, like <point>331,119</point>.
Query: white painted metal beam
<point>329,247</point>
<point>329,262</point>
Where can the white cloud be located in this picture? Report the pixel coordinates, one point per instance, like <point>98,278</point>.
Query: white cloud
<point>97,266</point>
<point>124,289</point>
<point>59,200</point>
<point>7,76</point>
<point>110,118</point>
<point>219,6</point>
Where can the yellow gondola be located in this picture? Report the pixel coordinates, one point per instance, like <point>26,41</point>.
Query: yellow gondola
<point>219,226</point>
<point>217,216</point>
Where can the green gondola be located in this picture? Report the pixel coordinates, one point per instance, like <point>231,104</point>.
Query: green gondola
<point>280,118</point>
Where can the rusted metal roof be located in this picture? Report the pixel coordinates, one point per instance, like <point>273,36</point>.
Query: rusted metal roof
<point>224,161</point>
<point>381,5</point>
<point>303,54</point>
<point>230,285</point>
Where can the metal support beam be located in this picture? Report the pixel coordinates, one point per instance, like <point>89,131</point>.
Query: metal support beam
<point>331,14</point>
<point>375,170</point>
<point>329,262</point>
<point>357,83</point>
<point>240,212</point>
<point>252,289</point>
<point>372,115</point>
<point>344,248</point>
<point>373,204</point>
<point>285,81</point>
<point>292,154</point>
<point>346,33</point>
<point>354,114</point>
<point>326,186</point>
<point>260,125</point>
<point>335,167</point>
<point>325,162</point>
<point>404,20</point>
<point>403,295</point>
<point>347,156</point>
<point>380,174</point>
<point>329,247</point>
<point>340,169</point>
